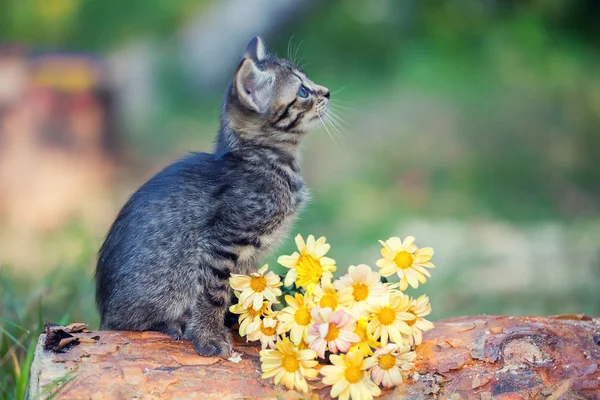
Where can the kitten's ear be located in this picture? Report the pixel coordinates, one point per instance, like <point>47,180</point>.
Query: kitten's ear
<point>256,49</point>
<point>253,86</point>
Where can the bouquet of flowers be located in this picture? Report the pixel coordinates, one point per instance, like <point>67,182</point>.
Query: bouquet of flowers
<point>358,331</point>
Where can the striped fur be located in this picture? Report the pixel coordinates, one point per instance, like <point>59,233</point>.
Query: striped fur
<point>167,258</point>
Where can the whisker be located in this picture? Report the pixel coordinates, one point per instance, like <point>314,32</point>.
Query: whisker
<point>335,129</point>
<point>340,113</point>
<point>337,110</point>
<point>289,46</point>
<point>337,117</point>
<point>336,125</point>
<point>332,115</point>
<point>339,90</point>
<point>296,52</point>
<point>327,130</point>
<point>339,134</point>
<point>336,105</point>
<point>335,121</point>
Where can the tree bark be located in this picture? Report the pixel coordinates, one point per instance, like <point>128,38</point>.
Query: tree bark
<point>475,357</point>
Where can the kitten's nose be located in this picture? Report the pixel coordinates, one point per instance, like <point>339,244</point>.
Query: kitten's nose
<point>322,91</point>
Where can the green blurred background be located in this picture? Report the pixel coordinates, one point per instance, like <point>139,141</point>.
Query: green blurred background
<point>470,124</point>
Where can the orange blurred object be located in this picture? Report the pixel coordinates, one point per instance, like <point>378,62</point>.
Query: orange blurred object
<point>57,137</point>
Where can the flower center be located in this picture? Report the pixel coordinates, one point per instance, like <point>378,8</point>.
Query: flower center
<point>362,333</point>
<point>353,374</point>
<point>329,300</point>
<point>332,333</point>
<point>360,291</point>
<point>268,331</point>
<point>309,270</point>
<point>255,313</point>
<point>404,259</point>
<point>258,283</point>
<point>302,316</point>
<point>387,361</point>
<point>290,363</point>
<point>386,316</point>
<point>411,322</point>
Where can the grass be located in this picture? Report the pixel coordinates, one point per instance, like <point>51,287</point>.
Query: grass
<point>17,350</point>
<point>16,355</point>
<point>60,296</point>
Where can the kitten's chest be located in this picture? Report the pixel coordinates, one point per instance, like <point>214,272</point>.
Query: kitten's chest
<point>276,213</point>
<point>274,201</point>
<point>264,244</point>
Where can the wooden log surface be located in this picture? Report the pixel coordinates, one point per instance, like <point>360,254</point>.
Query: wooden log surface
<point>475,357</point>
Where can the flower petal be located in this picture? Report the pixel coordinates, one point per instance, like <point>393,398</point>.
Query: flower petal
<point>395,244</point>
<point>257,302</point>
<point>310,244</point>
<point>300,243</point>
<point>327,261</point>
<point>321,250</point>
<point>339,387</point>
<point>290,277</point>
<point>411,277</point>
<point>408,241</point>
<point>289,261</point>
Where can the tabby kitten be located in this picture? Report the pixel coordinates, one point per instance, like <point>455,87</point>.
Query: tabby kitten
<point>167,258</point>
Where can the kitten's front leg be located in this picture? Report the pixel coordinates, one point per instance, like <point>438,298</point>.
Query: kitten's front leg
<point>207,330</point>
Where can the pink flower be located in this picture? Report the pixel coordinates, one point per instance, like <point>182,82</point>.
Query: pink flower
<point>331,330</point>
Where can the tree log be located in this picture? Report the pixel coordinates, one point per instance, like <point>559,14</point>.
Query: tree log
<point>475,357</point>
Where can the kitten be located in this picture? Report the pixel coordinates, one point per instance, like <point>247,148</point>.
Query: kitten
<point>167,258</point>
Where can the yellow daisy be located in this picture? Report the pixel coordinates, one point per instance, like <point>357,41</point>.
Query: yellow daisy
<point>349,376</point>
<point>365,286</point>
<point>296,317</point>
<point>267,330</point>
<point>388,317</point>
<point>405,259</point>
<point>389,363</point>
<point>289,365</point>
<point>256,287</point>
<point>420,307</point>
<point>325,295</point>
<point>367,342</point>
<point>309,265</point>
<point>249,314</point>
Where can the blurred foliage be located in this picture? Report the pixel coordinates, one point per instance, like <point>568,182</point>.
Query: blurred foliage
<point>519,77</point>
<point>90,24</point>
<point>523,71</point>
<point>523,75</point>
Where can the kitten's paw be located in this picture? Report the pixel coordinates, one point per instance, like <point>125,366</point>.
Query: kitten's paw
<point>173,330</point>
<point>176,334</point>
<point>214,347</point>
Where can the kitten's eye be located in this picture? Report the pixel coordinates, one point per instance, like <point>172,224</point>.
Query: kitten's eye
<point>303,92</point>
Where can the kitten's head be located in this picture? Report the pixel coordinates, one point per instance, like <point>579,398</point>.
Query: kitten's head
<point>271,100</point>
